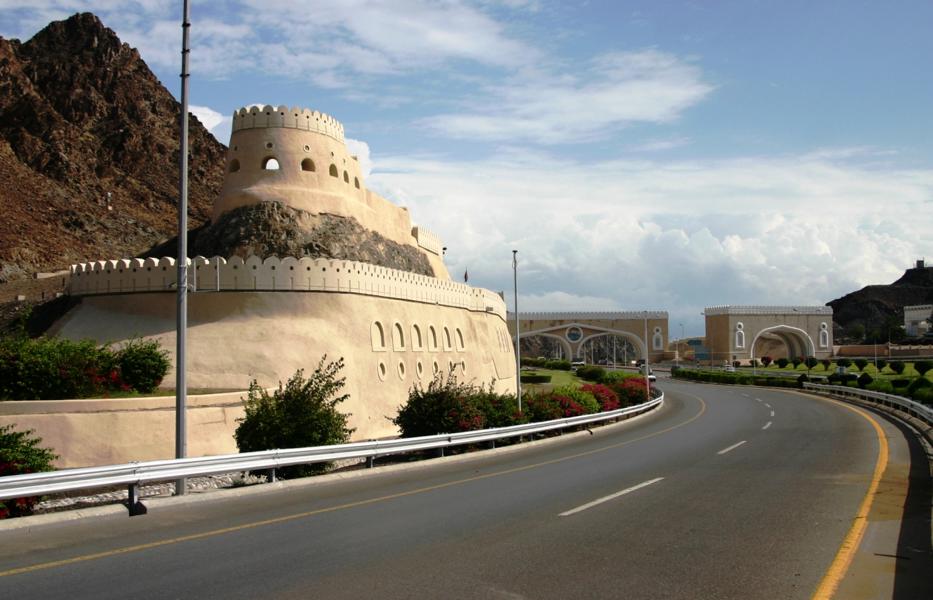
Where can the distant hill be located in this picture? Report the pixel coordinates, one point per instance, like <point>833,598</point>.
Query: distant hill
<point>82,115</point>
<point>877,307</point>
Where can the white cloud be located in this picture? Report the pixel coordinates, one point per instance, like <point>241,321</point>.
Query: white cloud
<point>361,151</point>
<point>613,90</point>
<point>674,235</point>
<point>218,124</point>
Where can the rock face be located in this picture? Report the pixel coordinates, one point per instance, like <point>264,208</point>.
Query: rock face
<point>271,228</point>
<point>874,306</point>
<point>81,116</point>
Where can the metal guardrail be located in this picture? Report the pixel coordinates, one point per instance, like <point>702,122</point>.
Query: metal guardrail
<point>137,473</point>
<point>915,409</point>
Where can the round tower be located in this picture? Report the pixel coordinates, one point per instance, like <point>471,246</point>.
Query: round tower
<point>291,155</point>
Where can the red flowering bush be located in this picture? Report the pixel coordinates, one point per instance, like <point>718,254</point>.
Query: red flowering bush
<point>607,399</point>
<point>20,453</point>
<point>631,391</point>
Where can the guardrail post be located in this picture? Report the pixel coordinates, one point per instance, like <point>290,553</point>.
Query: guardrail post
<point>370,461</point>
<point>491,444</point>
<point>132,501</point>
<point>270,475</point>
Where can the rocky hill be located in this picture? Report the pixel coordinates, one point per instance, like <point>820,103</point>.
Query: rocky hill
<point>875,308</point>
<point>81,117</point>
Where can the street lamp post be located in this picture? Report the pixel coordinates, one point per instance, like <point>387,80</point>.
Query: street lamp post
<point>518,352</point>
<point>181,326</point>
<point>647,368</point>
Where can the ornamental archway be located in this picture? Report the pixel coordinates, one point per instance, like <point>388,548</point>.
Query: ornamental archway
<point>739,333</point>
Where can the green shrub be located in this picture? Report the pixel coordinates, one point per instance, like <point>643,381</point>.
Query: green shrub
<point>753,362</point>
<point>585,399</point>
<point>766,360</point>
<point>299,414</point>
<point>802,379</point>
<point>864,380</point>
<point>860,364</point>
<point>591,373</point>
<point>881,363</point>
<point>920,383</point>
<point>613,376</point>
<point>844,362</point>
<point>20,453</point>
<point>811,362</point>
<point>796,361</point>
<point>922,366</point>
<point>558,365</point>
<point>499,410</point>
<point>826,364</point>
<point>782,362</point>
<point>605,396</point>
<point>630,391</point>
<point>898,366</point>
<point>543,407</point>
<point>881,385</point>
<point>535,378</point>
<point>924,396</point>
<point>143,364</point>
<point>900,383</point>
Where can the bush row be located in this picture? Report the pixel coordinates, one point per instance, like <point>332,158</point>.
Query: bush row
<point>546,363</point>
<point>737,378</point>
<point>448,406</point>
<point>21,453</point>
<point>55,369</point>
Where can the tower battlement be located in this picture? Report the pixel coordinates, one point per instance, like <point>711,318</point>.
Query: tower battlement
<point>293,118</point>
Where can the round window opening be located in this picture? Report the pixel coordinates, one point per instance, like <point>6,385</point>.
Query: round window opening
<point>382,371</point>
<point>401,370</point>
<point>574,334</point>
<point>419,368</point>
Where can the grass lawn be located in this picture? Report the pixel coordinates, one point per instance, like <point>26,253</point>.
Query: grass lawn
<point>558,379</point>
<point>887,373</point>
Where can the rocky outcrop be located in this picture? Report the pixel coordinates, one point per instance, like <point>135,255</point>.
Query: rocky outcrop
<point>271,228</point>
<point>875,307</point>
<point>81,117</point>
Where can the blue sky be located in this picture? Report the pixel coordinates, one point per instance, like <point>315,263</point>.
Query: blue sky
<point>661,155</point>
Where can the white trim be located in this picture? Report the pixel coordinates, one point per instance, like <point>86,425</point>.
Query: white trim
<point>808,351</point>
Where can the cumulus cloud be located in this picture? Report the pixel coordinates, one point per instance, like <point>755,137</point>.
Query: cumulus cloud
<point>612,90</point>
<point>674,235</point>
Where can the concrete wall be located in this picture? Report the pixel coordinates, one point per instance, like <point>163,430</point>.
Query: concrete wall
<point>107,431</point>
<point>234,337</point>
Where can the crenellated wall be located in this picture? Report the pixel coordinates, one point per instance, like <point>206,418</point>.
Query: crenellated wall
<point>282,116</point>
<point>126,276</point>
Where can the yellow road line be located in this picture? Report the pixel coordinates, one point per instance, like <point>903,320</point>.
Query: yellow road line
<point>842,561</point>
<point>311,513</point>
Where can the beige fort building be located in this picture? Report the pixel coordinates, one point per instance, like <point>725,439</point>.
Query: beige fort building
<point>264,317</point>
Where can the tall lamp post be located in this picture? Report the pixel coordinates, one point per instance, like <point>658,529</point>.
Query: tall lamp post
<point>647,368</point>
<point>181,326</point>
<point>518,352</point>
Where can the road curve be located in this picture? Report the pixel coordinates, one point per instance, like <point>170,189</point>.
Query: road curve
<point>725,492</point>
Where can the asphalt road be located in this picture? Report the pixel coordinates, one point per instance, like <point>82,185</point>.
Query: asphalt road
<point>725,492</point>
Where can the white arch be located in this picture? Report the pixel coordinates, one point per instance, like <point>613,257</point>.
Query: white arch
<point>785,332</point>
<point>637,342</point>
<point>568,352</point>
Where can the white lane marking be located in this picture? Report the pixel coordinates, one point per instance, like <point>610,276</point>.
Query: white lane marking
<point>772,413</point>
<point>732,447</point>
<point>758,399</point>
<point>609,497</point>
<point>768,405</point>
<point>768,424</point>
<point>746,395</point>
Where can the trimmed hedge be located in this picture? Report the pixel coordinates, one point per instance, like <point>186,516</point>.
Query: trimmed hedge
<point>21,453</point>
<point>57,369</point>
<point>535,378</point>
<point>736,378</point>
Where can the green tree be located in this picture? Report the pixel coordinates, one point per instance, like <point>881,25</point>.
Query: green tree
<point>766,360</point>
<point>796,361</point>
<point>860,364</point>
<point>826,364</point>
<point>922,366</point>
<point>299,414</point>
<point>143,364</point>
<point>782,362</point>
<point>898,366</point>
<point>812,362</point>
<point>881,363</point>
<point>844,362</point>
<point>20,453</point>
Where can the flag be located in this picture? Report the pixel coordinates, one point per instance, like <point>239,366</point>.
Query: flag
<point>466,275</point>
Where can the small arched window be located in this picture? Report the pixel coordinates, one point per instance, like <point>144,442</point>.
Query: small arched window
<point>460,345</point>
<point>356,182</point>
<point>346,177</point>
<point>824,339</point>
<point>378,336</point>
<point>739,339</point>
<point>398,338</point>
<point>432,338</point>
<point>416,342</point>
<point>307,165</point>
<point>657,342</point>
<point>234,165</point>
<point>447,344</point>
<point>270,164</point>
<point>333,171</point>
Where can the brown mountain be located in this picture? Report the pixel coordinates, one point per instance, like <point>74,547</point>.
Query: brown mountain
<point>81,116</point>
<point>876,309</point>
